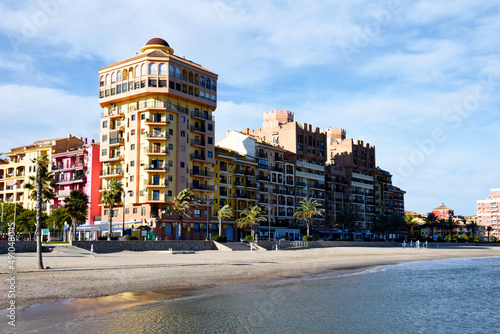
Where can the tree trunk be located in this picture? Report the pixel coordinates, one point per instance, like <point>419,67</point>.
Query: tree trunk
<point>220,227</point>
<point>179,233</point>
<point>110,230</point>
<point>39,217</point>
<point>307,224</point>
<point>73,229</point>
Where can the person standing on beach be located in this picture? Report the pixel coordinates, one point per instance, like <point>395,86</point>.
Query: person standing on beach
<point>404,244</point>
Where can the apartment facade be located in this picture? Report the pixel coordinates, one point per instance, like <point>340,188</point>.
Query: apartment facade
<point>157,133</point>
<point>488,213</point>
<point>79,169</point>
<point>15,173</point>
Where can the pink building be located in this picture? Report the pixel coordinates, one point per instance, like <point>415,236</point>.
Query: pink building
<point>442,212</point>
<point>79,169</point>
<point>487,212</point>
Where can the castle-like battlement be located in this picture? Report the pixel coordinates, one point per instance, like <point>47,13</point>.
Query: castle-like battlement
<point>336,133</point>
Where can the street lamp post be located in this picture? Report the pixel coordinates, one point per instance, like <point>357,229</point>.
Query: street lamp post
<point>269,207</point>
<point>15,206</point>
<point>123,222</point>
<point>208,200</point>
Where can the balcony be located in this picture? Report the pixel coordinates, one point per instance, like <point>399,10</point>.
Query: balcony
<point>156,169</point>
<point>239,171</point>
<point>201,187</point>
<point>202,173</point>
<point>156,136</point>
<point>152,183</point>
<point>251,185</point>
<point>195,156</point>
<point>74,179</point>
<point>153,150</point>
<point>195,128</point>
<point>317,186</point>
<point>276,169</point>
<point>200,115</point>
<point>156,198</point>
<point>159,120</point>
<point>197,142</point>
<point>116,141</point>
<point>115,157</point>
<point>111,172</point>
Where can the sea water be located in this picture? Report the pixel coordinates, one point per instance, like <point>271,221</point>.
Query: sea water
<point>439,296</point>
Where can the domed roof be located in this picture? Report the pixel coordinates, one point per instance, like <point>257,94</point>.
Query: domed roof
<point>157,41</point>
<point>157,44</point>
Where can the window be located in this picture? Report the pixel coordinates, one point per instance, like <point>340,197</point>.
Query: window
<point>171,147</point>
<point>153,69</point>
<point>132,132</point>
<point>196,228</point>
<point>210,140</point>
<point>143,116</point>
<point>106,212</point>
<point>183,119</point>
<point>108,80</point>
<point>104,138</point>
<point>183,134</point>
<point>208,83</point>
<point>170,178</point>
<point>202,81</point>
<point>182,164</point>
<point>197,213</point>
<point>177,73</point>
<point>105,124</point>
<point>131,178</point>
<point>143,69</point>
<point>170,117</point>
<point>143,211</point>
<point>170,132</point>
<point>104,152</point>
<point>210,126</point>
<point>137,72</point>
<point>134,210</point>
<point>132,147</point>
<point>210,154</point>
<point>170,193</point>
<point>115,213</point>
<point>163,69</point>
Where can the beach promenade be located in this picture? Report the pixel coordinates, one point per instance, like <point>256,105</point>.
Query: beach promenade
<point>75,273</point>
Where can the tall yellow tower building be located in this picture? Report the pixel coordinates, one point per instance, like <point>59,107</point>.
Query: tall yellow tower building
<point>157,135</point>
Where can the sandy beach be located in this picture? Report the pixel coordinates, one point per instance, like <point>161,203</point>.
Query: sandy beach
<point>75,273</point>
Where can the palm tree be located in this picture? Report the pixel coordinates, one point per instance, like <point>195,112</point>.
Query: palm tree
<point>472,227</point>
<point>224,213</point>
<point>110,197</point>
<point>330,222</point>
<point>442,225</point>
<point>76,205</point>
<point>489,229</point>
<point>251,217</point>
<point>307,210</point>
<point>42,188</point>
<point>451,225</point>
<point>410,222</point>
<point>431,219</point>
<point>349,217</point>
<point>180,206</point>
<point>396,223</point>
<point>381,225</point>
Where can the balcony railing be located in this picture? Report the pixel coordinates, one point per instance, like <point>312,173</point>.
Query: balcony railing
<point>197,142</point>
<point>202,173</point>
<point>158,150</point>
<point>197,128</point>
<point>202,187</point>
<point>197,156</point>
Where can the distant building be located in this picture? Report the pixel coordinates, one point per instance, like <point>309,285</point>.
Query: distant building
<point>442,212</point>
<point>15,173</point>
<point>488,212</point>
<point>79,168</point>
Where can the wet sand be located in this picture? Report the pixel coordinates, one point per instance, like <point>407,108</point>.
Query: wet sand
<point>75,273</point>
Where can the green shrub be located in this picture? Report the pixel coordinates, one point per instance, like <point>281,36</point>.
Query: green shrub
<point>248,238</point>
<point>219,238</point>
<point>307,238</point>
<point>132,237</point>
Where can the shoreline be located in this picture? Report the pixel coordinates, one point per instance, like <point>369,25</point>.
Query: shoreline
<point>140,277</point>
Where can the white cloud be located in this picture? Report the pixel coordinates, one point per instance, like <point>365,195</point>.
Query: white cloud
<point>32,113</point>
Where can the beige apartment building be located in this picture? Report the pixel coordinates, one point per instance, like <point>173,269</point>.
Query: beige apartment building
<point>157,133</point>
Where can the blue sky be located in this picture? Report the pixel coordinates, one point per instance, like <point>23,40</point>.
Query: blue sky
<point>417,79</point>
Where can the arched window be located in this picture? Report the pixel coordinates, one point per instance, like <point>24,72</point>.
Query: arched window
<point>190,77</point>
<point>119,76</point>
<point>172,70</point>
<point>177,73</point>
<point>196,79</point>
<point>214,228</point>
<point>101,81</point>
<point>131,73</point>
<point>143,69</point>
<point>213,85</point>
<point>124,75</point>
<point>137,71</point>
<point>108,80</point>
<point>196,228</point>
<point>153,69</point>
<point>163,69</point>
<point>184,75</point>
<point>113,77</point>
<point>202,81</point>
<point>209,83</point>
